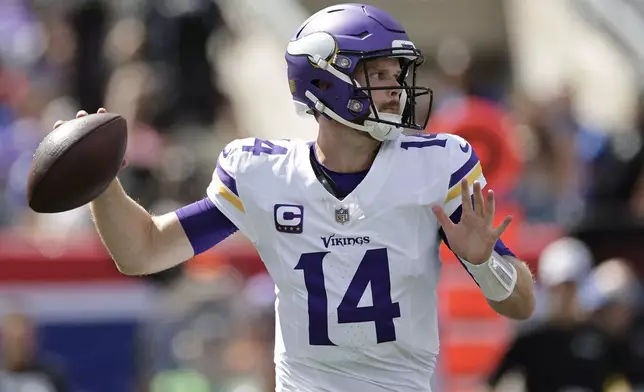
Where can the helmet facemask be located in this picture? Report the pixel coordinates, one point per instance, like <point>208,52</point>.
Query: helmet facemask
<point>409,94</point>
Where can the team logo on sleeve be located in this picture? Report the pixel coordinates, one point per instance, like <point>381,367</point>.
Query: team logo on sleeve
<point>342,215</point>
<point>289,218</point>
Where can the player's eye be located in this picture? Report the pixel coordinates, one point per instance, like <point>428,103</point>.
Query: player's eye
<point>379,75</point>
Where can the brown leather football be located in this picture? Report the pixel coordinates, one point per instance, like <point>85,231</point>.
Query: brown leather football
<point>76,162</point>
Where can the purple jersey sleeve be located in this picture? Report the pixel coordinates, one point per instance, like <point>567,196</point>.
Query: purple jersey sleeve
<point>204,225</point>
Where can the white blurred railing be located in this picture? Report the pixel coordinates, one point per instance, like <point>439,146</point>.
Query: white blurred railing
<point>553,48</point>
<point>254,70</point>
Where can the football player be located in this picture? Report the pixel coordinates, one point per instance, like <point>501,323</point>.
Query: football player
<point>348,226</point>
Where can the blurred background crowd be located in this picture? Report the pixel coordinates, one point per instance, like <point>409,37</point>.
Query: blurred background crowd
<point>549,92</point>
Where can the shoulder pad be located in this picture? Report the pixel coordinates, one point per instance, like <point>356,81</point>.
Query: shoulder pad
<point>423,141</point>
<point>241,153</point>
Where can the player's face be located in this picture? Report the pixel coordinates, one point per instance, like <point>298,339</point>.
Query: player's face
<point>382,72</point>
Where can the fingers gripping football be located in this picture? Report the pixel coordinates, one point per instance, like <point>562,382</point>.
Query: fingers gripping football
<point>83,113</point>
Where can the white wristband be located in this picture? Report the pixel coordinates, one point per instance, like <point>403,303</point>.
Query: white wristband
<point>496,277</point>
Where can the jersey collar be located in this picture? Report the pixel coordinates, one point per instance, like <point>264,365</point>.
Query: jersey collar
<point>365,192</point>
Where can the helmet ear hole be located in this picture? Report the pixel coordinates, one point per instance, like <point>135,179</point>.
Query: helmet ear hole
<point>322,84</point>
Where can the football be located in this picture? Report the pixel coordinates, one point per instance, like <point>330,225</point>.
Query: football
<point>76,162</point>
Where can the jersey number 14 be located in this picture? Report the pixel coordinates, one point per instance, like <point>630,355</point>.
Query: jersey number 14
<point>374,269</point>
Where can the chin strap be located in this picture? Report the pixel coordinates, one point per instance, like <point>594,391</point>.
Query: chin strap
<point>377,130</point>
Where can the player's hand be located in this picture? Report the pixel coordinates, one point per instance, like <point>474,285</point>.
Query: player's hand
<point>82,113</point>
<point>474,237</point>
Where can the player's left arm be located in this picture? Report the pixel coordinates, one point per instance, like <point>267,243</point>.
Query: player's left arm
<point>505,281</point>
<point>466,221</point>
<point>520,304</point>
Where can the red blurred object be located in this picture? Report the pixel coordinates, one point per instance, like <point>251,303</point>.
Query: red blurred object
<point>492,133</point>
<point>24,260</point>
<point>14,86</point>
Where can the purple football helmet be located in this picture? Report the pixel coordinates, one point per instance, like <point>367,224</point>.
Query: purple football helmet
<point>330,46</point>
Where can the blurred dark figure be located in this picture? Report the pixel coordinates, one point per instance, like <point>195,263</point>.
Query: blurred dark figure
<point>617,312</point>
<point>89,22</point>
<point>613,224</point>
<point>177,45</point>
<point>552,180</point>
<point>22,368</point>
<point>566,352</point>
<point>560,153</point>
<point>618,186</point>
<point>634,345</point>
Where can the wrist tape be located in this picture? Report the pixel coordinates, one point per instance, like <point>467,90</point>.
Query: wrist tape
<point>496,277</point>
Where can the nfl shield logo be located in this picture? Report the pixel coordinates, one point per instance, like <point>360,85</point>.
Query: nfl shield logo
<point>342,215</point>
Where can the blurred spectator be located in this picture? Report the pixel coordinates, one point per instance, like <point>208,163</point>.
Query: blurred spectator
<point>565,352</point>
<point>618,312</point>
<point>177,46</point>
<point>560,153</point>
<point>23,368</point>
<point>618,186</point>
<point>89,22</point>
<point>150,61</point>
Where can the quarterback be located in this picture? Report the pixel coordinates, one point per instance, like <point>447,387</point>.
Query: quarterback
<point>348,226</point>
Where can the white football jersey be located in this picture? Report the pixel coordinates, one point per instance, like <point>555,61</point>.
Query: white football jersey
<point>355,279</point>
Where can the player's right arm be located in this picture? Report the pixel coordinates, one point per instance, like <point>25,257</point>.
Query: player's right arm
<point>139,243</point>
<point>142,244</point>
